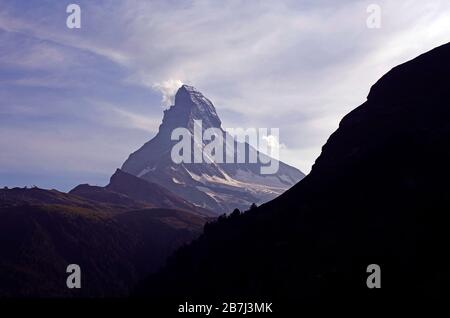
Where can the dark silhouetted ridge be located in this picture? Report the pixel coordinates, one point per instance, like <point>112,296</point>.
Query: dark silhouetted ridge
<point>378,194</point>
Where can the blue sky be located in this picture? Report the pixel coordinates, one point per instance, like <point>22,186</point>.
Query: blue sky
<point>74,103</point>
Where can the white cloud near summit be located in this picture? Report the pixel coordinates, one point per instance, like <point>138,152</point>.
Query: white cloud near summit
<point>168,90</point>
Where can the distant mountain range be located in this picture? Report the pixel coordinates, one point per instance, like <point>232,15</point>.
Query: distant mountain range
<point>378,194</point>
<point>219,187</point>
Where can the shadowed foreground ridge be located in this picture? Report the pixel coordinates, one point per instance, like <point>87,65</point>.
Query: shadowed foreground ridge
<point>378,194</point>
<point>116,239</point>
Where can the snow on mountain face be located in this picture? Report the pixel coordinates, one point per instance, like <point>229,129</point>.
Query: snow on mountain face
<point>220,187</point>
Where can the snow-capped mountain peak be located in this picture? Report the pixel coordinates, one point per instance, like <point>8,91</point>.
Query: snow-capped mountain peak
<point>220,187</point>
<point>190,105</point>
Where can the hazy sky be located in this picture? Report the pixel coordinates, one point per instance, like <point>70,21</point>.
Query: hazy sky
<point>74,103</point>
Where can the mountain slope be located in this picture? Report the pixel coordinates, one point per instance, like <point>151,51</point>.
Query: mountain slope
<point>42,232</point>
<point>132,192</point>
<point>378,194</point>
<point>219,187</point>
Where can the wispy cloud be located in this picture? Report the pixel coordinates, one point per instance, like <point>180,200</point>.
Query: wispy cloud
<point>119,116</point>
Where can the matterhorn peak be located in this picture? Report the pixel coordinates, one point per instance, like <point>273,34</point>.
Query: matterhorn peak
<point>217,186</point>
<point>190,96</point>
<point>190,104</point>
